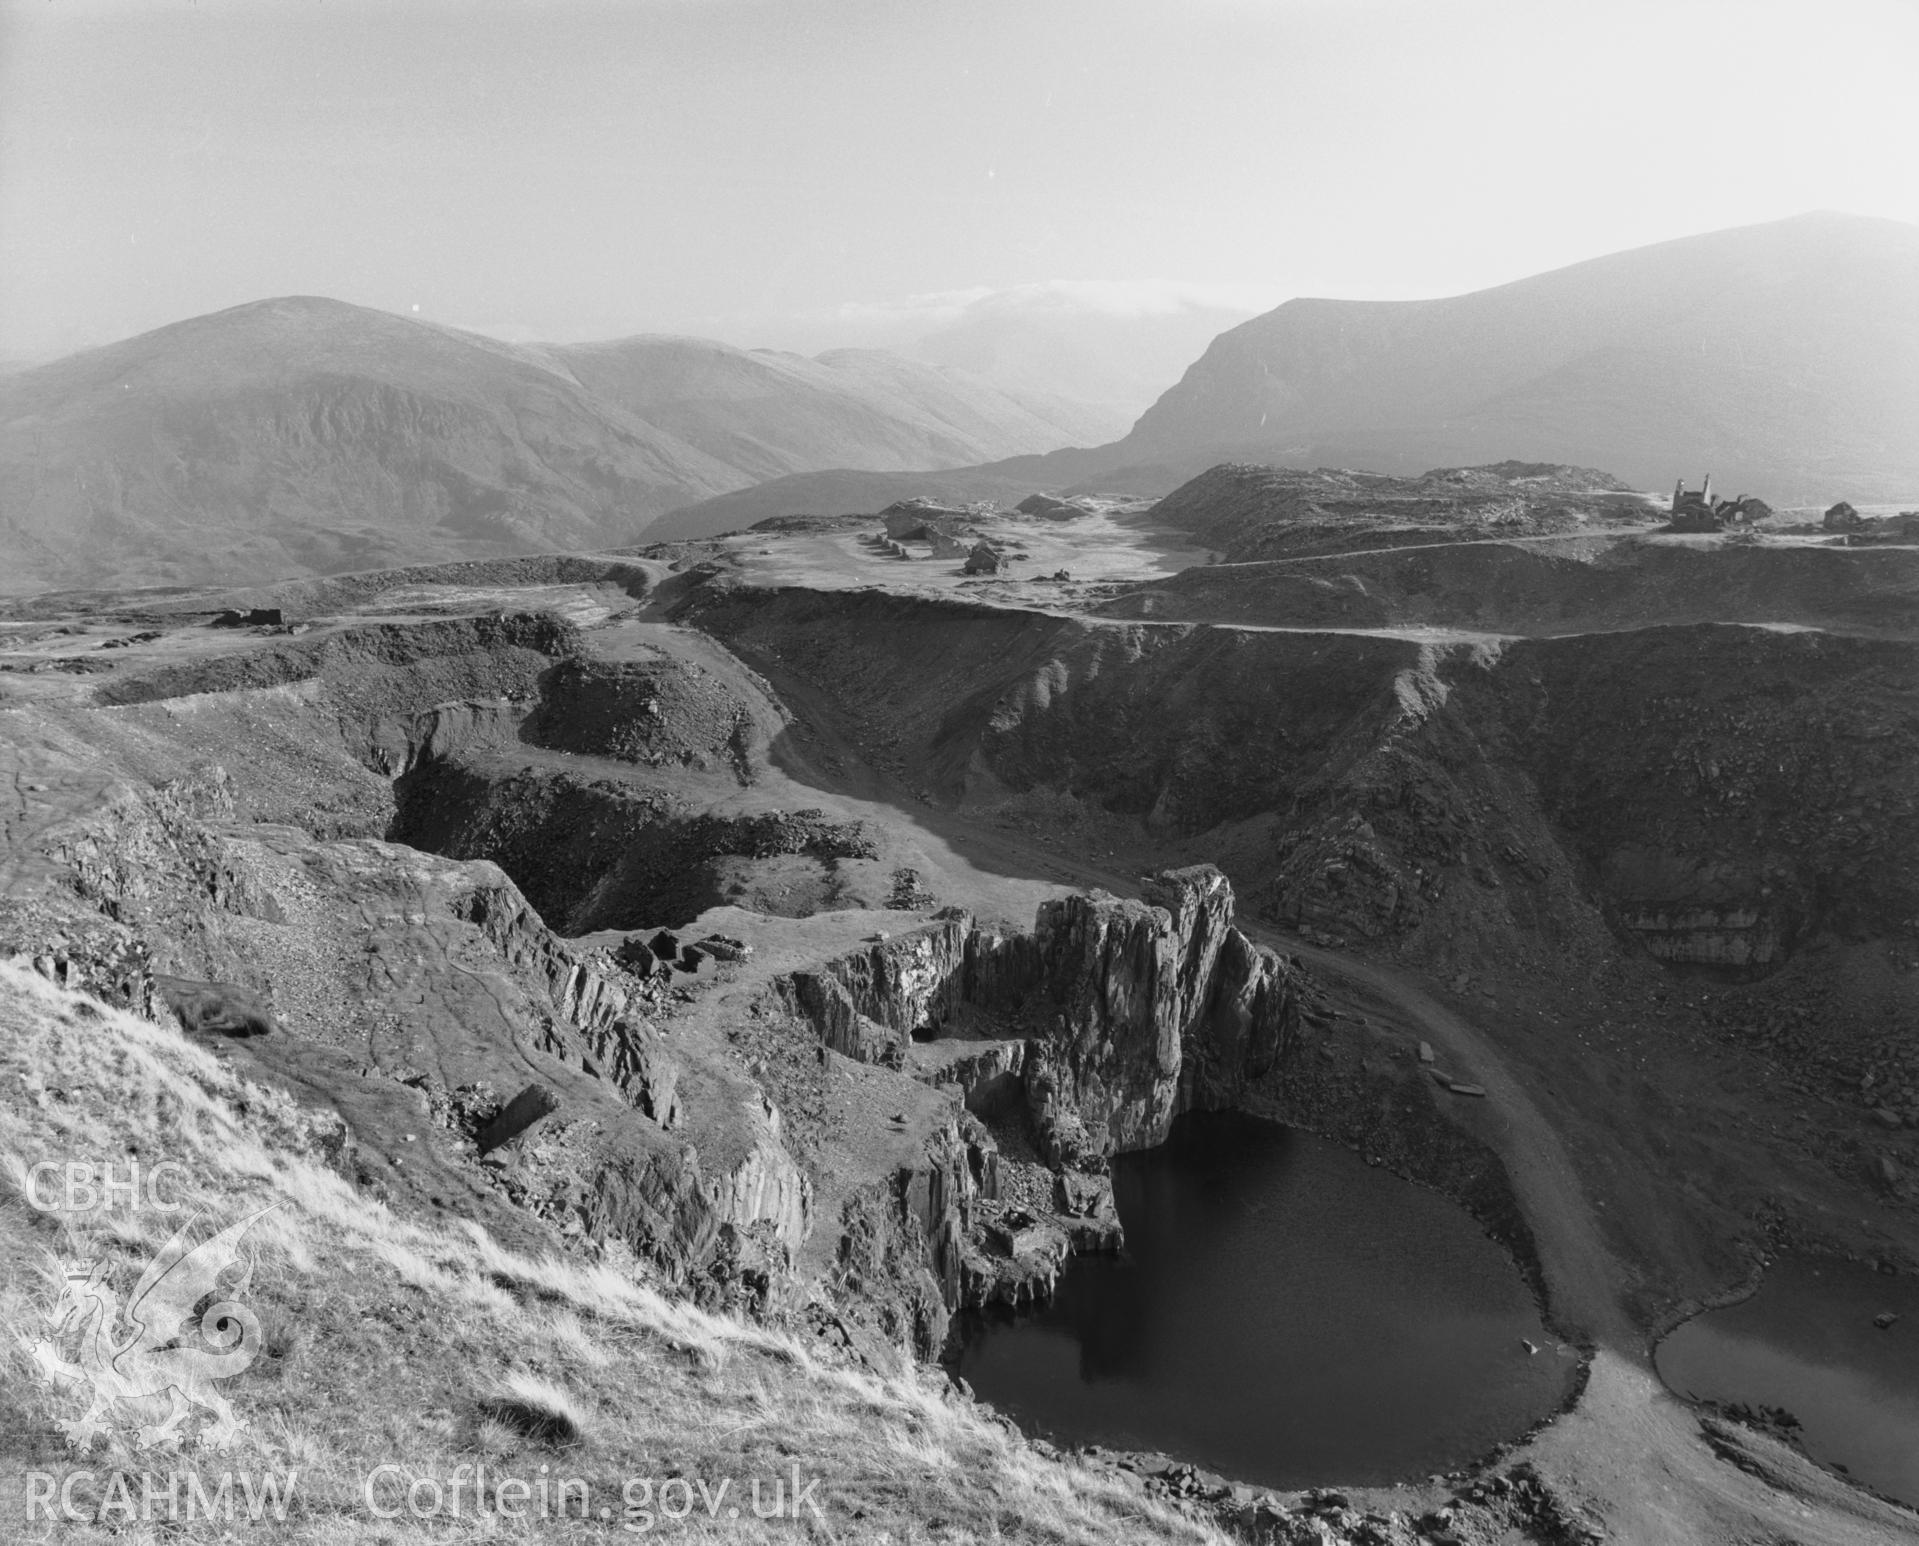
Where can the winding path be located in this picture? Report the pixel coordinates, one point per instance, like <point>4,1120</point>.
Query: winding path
<point>1582,1278</point>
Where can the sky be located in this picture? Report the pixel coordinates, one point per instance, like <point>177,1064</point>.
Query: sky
<point>762,171</point>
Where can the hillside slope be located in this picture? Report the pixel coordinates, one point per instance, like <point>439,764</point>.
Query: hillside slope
<point>307,435</point>
<point>768,413</point>
<point>1783,358</point>
<point>304,435</point>
<point>1253,513</point>
<point>382,1340</point>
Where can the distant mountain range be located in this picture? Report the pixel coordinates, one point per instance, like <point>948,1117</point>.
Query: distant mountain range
<point>1781,358</point>
<point>1115,345</point>
<point>307,435</point>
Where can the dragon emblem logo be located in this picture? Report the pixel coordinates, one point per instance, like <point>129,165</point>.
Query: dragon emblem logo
<point>156,1349</point>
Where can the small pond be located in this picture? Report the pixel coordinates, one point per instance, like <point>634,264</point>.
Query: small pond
<point>1283,1313</point>
<point>1806,1341</point>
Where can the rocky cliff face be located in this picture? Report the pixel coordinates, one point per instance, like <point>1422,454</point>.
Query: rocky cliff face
<point>396,985</point>
<point>70,944</point>
<point>1252,1023</point>
<point>1716,794</point>
<point>661,713</point>
<point>1730,790</point>
<point>911,982</point>
<point>681,1215</point>
<point>1090,1033</point>
<point>870,1004</point>
<point>595,854</point>
<point>588,995</point>
<point>1116,1014</point>
<point>1108,1076</point>
<point>378,668</point>
<point>1159,1004</point>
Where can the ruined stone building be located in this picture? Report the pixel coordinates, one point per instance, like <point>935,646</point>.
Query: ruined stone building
<point>1700,512</point>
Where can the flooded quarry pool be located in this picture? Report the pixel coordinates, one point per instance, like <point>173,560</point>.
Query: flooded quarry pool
<point>1808,1341</point>
<point>1284,1314</point>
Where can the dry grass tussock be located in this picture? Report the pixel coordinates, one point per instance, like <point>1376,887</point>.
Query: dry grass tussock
<point>433,1351</point>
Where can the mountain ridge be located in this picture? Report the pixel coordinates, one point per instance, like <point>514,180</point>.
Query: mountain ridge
<point>1654,363</point>
<point>302,434</point>
<point>1783,357</point>
<point>305,435</point>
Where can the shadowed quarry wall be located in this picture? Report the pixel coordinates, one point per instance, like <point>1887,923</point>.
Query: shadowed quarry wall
<point>1713,792</point>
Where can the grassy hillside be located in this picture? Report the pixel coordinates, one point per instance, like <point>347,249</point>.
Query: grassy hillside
<point>423,1347</point>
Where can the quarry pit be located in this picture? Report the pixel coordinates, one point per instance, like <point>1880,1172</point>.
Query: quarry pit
<point>857,919</point>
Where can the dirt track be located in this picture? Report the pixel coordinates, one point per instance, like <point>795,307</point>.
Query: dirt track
<point>1579,1271</point>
